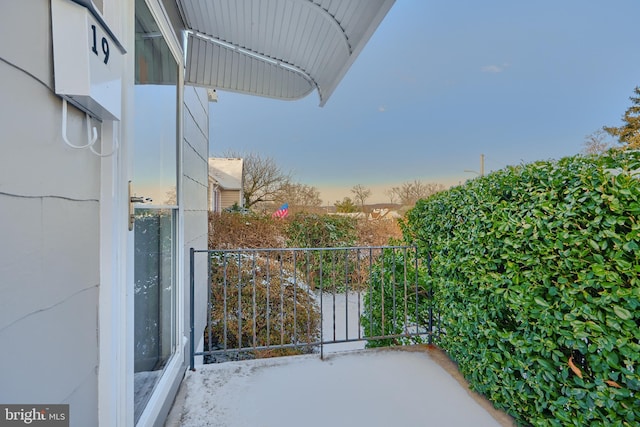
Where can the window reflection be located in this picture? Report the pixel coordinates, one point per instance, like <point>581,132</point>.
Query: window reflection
<point>154,174</point>
<point>154,61</point>
<point>154,299</point>
<point>155,112</point>
<point>154,177</point>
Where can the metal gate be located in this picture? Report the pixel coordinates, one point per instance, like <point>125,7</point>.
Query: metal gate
<point>265,302</point>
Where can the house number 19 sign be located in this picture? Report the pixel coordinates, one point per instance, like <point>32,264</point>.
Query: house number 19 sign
<point>87,59</point>
<point>104,42</point>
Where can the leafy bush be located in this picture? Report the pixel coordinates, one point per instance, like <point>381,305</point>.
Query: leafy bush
<point>321,231</point>
<point>232,230</point>
<point>378,232</point>
<point>536,276</point>
<point>229,230</point>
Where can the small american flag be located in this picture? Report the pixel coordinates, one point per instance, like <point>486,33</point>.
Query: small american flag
<point>282,212</point>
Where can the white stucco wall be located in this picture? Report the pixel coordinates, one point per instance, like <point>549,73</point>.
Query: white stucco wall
<point>49,229</point>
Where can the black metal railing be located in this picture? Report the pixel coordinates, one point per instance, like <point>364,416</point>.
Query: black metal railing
<point>262,302</point>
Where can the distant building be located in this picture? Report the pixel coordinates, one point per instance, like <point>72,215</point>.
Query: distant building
<point>384,213</point>
<point>225,183</point>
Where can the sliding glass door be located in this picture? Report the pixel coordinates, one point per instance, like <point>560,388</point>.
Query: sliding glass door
<point>154,202</point>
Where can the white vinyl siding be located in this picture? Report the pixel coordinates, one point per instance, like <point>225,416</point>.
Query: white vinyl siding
<point>49,211</point>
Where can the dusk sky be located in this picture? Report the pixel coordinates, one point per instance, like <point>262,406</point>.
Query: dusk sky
<point>442,82</point>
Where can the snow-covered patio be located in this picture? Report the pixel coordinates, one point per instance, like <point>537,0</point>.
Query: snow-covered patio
<point>407,386</point>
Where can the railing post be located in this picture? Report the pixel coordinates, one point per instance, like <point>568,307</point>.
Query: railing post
<point>321,309</point>
<point>430,295</point>
<point>191,310</point>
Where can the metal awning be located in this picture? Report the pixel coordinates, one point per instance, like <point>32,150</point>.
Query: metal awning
<point>276,48</point>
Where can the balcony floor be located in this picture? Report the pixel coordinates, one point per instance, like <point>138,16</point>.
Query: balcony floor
<point>412,386</point>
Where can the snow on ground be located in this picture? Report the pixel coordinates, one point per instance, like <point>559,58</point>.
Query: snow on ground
<point>364,388</point>
<point>350,387</point>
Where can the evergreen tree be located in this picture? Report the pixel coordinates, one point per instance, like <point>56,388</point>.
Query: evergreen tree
<point>346,206</point>
<point>629,133</point>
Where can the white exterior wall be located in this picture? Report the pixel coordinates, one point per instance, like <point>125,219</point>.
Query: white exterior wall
<point>195,181</point>
<point>49,229</point>
<point>64,338</point>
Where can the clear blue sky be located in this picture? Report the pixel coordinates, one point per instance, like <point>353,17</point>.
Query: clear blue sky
<point>441,82</point>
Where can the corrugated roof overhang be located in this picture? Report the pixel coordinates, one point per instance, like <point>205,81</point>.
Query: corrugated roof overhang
<point>276,48</point>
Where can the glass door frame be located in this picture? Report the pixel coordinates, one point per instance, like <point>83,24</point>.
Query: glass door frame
<point>174,368</point>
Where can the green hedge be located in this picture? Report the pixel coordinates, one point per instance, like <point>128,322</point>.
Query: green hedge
<point>536,276</point>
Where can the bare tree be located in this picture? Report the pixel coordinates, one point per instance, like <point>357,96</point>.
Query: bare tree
<point>262,178</point>
<point>597,142</point>
<point>360,194</point>
<point>299,195</point>
<point>392,195</point>
<point>410,192</point>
